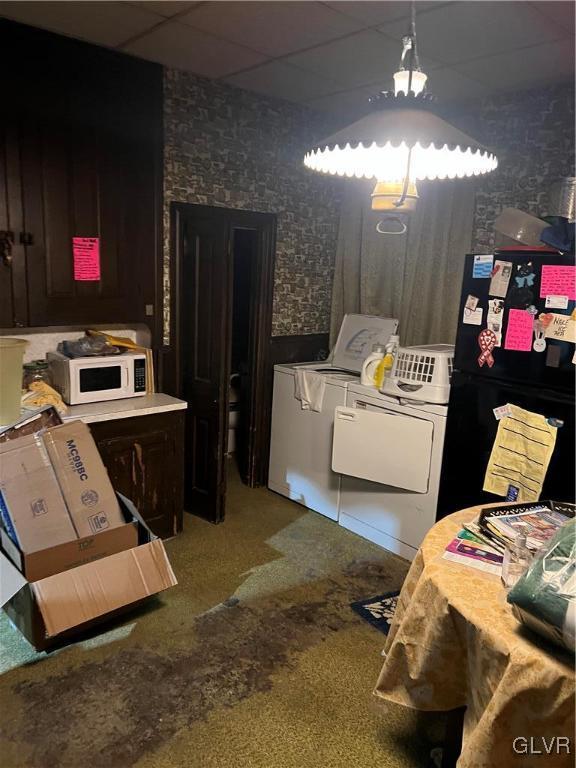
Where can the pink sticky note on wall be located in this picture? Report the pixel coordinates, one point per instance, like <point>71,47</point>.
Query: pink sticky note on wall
<point>519,330</point>
<point>558,281</point>
<point>86,252</point>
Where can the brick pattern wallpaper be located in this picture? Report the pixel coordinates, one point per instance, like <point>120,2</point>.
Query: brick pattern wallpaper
<point>532,133</point>
<point>229,147</point>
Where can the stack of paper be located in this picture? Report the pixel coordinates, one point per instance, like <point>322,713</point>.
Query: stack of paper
<point>472,550</point>
<point>538,526</point>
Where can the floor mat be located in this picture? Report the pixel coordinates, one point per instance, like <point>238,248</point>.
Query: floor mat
<point>378,611</point>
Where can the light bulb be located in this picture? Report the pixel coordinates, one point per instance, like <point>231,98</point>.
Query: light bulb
<point>402,77</point>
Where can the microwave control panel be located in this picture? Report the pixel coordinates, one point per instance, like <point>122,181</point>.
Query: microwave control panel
<point>140,375</point>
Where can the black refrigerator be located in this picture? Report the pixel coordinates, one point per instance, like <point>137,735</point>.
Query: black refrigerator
<point>538,381</point>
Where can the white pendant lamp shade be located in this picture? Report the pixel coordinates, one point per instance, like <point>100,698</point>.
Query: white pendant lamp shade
<point>378,147</point>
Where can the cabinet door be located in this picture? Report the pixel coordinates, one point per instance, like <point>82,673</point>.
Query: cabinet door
<point>144,460</point>
<point>74,186</point>
<point>89,157</point>
<point>13,307</point>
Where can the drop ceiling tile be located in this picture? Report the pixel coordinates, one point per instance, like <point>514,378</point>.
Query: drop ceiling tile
<point>366,57</point>
<point>273,28</point>
<point>347,105</point>
<point>449,85</point>
<point>374,13</point>
<point>177,45</point>
<point>103,23</point>
<point>282,81</point>
<point>467,30</point>
<point>561,13</point>
<point>536,66</point>
<point>166,8</point>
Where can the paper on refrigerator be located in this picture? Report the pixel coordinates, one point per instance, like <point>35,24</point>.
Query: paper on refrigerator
<point>500,278</point>
<point>520,455</point>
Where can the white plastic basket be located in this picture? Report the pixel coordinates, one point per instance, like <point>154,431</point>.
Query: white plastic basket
<point>421,373</point>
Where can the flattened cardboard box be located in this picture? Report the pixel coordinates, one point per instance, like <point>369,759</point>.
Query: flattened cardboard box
<point>83,478</point>
<point>32,506</point>
<point>65,603</point>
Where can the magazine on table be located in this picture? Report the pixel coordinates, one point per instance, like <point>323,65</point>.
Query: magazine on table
<point>479,556</point>
<point>538,526</point>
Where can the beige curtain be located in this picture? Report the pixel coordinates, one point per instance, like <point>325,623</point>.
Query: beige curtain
<point>415,277</point>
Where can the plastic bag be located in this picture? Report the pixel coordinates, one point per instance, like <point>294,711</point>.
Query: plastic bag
<point>88,346</point>
<point>544,598</point>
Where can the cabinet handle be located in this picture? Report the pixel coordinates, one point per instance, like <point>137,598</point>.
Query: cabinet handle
<point>6,243</point>
<point>26,238</point>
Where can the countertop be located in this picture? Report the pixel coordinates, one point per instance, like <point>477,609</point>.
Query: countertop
<point>124,409</point>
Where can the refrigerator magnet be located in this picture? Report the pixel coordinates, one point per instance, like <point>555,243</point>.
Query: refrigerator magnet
<point>553,356</point>
<point>512,493</point>
<point>471,302</point>
<point>539,340</point>
<point>525,275</point>
<point>486,341</point>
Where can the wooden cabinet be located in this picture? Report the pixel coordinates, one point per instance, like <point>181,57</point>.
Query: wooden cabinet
<point>144,456</point>
<point>80,156</point>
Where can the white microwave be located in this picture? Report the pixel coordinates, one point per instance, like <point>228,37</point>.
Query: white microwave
<point>93,379</point>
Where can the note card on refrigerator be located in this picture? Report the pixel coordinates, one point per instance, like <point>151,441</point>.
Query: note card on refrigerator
<point>558,280</point>
<point>520,455</point>
<point>483,264</point>
<point>519,331</point>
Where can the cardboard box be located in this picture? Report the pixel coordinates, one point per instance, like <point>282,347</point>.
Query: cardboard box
<point>50,610</point>
<point>71,554</point>
<point>32,506</point>
<point>83,478</point>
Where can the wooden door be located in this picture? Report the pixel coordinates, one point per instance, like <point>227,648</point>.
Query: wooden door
<point>252,458</point>
<point>197,366</point>
<point>205,287</point>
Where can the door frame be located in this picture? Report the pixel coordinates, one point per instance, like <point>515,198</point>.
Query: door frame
<point>261,303</point>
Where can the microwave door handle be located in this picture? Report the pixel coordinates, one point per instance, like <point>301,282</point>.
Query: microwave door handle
<point>125,377</point>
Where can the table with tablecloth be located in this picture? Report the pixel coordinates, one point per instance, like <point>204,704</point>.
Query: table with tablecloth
<point>454,642</point>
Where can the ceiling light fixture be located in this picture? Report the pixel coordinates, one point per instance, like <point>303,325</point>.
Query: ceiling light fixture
<point>401,142</point>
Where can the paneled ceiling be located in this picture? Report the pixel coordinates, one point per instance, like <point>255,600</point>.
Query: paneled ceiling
<point>329,55</point>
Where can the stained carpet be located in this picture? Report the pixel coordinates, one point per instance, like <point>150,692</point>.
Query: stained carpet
<point>255,660</point>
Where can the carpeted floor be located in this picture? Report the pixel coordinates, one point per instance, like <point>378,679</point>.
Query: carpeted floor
<point>255,660</point>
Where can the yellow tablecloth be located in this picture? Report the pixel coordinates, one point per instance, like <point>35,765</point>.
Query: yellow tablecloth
<point>454,642</point>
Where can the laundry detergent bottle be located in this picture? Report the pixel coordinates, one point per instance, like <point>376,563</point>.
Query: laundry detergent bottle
<point>386,364</point>
<point>368,373</point>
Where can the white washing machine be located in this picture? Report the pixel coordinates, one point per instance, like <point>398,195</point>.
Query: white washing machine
<point>301,440</point>
<point>389,453</point>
